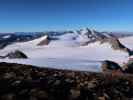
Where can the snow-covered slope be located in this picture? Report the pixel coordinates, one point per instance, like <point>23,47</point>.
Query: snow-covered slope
<point>127,41</point>
<point>67,54</point>
<point>67,51</point>
<point>24,45</point>
<point>81,37</point>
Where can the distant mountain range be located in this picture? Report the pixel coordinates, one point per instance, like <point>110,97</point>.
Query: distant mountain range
<point>86,35</point>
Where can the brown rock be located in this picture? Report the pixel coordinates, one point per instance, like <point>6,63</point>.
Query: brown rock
<point>57,82</point>
<point>9,96</point>
<point>44,42</point>
<point>9,75</point>
<point>101,98</point>
<point>74,93</point>
<point>33,98</point>
<point>42,95</point>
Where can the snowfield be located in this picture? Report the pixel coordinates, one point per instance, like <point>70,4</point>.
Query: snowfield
<point>128,42</point>
<point>6,37</point>
<point>67,54</point>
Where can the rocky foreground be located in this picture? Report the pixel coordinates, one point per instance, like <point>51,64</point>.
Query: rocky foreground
<point>25,82</point>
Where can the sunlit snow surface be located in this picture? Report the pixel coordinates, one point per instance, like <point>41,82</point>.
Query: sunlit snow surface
<point>67,54</point>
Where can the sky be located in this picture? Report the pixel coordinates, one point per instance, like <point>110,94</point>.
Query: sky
<point>45,15</point>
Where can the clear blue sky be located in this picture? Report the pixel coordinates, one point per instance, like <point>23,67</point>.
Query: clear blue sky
<point>41,15</point>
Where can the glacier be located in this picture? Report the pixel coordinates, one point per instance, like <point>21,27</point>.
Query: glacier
<point>66,53</point>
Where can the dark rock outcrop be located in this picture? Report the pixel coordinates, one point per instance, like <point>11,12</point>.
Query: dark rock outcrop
<point>93,35</point>
<point>15,55</point>
<point>117,45</point>
<point>110,66</point>
<point>3,45</point>
<point>45,41</point>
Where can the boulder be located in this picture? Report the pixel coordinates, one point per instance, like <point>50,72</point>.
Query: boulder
<point>128,67</point>
<point>110,66</point>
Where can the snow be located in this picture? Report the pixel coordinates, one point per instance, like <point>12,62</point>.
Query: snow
<point>70,64</point>
<point>66,53</point>
<point>68,36</point>
<point>72,39</point>
<point>6,36</point>
<point>107,35</point>
<point>36,41</point>
<point>25,45</point>
<point>127,41</point>
<point>82,38</point>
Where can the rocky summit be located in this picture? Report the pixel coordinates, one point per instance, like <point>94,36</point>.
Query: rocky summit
<point>25,82</point>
